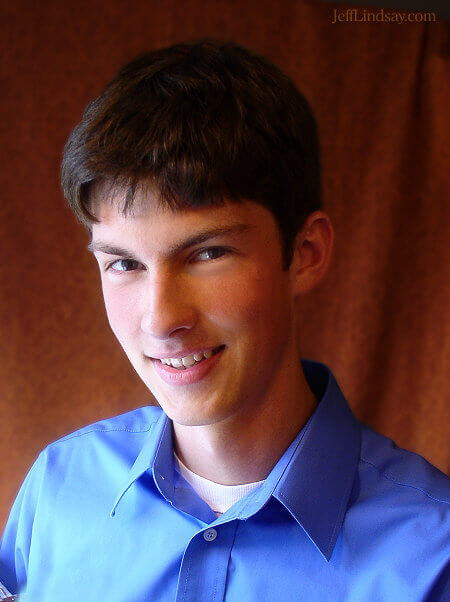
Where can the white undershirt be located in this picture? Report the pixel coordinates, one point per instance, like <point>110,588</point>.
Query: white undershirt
<point>218,497</point>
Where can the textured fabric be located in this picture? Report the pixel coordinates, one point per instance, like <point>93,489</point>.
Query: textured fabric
<point>218,497</point>
<point>343,516</point>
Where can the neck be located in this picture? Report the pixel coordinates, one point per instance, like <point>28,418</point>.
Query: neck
<point>245,447</point>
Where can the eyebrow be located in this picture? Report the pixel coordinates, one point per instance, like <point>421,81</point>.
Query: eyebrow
<point>195,239</point>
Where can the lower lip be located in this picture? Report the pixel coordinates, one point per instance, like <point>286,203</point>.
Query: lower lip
<point>188,376</point>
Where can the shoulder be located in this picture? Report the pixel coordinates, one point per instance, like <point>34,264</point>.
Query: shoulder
<point>403,502</point>
<point>140,420</point>
<point>113,442</point>
<point>78,475</point>
<point>398,519</point>
<point>398,470</point>
<point>101,452</point>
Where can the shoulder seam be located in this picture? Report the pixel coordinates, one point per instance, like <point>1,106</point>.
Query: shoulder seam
<point>102,430</point>
<point>393,480</point>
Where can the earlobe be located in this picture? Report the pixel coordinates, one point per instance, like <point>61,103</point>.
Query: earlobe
<point>312,254</point>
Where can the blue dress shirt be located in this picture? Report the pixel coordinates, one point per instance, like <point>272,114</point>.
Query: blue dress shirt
<point>344,516</point>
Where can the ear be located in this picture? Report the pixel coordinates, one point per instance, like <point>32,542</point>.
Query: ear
<point>312,252</point>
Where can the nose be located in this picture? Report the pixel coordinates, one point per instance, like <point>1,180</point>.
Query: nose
<point>168,307</point>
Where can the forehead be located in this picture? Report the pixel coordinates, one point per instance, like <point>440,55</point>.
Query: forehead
<point>150,224</point>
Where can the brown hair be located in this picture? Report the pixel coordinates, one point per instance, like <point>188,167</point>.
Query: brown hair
<point>204,123</point>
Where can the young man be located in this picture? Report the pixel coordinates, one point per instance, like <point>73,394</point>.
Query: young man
<point>197,173</point>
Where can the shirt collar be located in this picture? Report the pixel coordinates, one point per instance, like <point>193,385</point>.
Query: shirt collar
<point>314,477</point>
<point>154,452</point>
<point>324,464</point>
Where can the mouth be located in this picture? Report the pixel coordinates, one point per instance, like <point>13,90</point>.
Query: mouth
<point>188,369</point>
<point>188,361</point>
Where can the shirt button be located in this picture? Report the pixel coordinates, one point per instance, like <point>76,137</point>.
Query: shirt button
<point>209,534</point>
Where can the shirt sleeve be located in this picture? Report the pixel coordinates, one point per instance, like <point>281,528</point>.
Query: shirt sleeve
<point>17,538</point>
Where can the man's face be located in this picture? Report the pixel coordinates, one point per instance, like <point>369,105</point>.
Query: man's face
<point>204,288</point>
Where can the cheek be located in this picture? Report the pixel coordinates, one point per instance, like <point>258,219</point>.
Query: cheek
<point>119,310</point>
<point>254,301</point>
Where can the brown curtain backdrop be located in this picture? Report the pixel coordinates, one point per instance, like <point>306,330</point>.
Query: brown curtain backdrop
<point>380,320</point>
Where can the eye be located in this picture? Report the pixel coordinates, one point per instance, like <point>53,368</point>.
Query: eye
<point>211,253</point>
<point>123,265</point>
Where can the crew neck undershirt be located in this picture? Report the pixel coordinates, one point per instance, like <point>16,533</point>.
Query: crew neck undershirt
<point>219,497</point>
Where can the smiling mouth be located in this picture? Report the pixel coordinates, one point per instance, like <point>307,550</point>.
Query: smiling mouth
<point>183,363</point>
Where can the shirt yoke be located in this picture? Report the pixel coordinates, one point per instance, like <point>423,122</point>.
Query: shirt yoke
<point>403,468</point>
<point>139,420</point>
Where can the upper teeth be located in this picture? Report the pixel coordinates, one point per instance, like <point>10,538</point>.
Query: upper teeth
<point>188,361</point>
